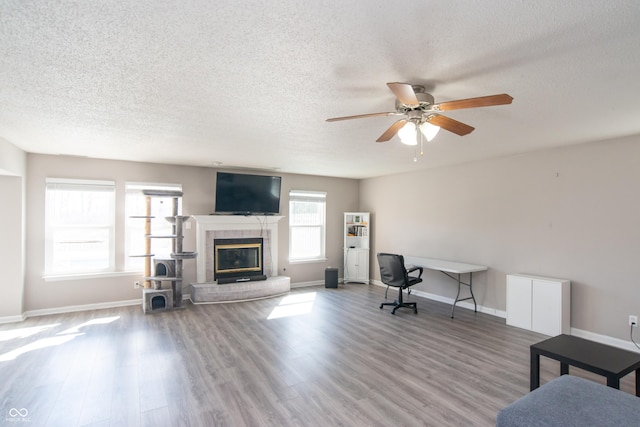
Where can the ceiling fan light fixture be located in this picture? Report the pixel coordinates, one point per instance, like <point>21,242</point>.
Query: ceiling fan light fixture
<point>422,112</point>
<point>408,134</point>
<point>429,131</point>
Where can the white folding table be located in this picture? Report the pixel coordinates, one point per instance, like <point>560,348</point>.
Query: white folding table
<point>452,269</point>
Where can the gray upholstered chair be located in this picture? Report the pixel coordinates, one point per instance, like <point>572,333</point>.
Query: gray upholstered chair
<point>394,273</point>
<point>569,401</point>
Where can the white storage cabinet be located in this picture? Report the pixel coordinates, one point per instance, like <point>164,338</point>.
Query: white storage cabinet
<point>539,304</point>
<point>356,247</point>
<point>356,265</point>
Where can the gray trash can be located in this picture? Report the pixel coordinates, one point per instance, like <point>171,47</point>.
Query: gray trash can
<point>330,277</point>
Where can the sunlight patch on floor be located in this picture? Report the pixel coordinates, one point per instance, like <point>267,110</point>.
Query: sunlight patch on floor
<point>24,332</point>
<point>100,321</point>
<point>43,343</point>
<point>60,338</point>
<point>294,305</point>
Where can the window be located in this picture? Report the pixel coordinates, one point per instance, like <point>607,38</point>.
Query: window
<point>135,208</point>
<point>79,226</point>
<point>307,212</point>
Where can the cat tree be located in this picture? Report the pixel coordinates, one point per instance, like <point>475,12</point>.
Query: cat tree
<point>165,270</point>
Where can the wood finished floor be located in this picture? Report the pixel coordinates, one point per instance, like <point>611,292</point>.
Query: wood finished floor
<point>343,363</point>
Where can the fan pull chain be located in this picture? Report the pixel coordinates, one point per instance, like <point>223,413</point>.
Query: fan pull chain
<point>415,153</point>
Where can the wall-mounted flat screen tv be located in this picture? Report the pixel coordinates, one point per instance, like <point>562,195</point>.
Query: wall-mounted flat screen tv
<point>247,194</point>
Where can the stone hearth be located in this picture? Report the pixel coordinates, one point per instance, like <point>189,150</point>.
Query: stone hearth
<point>210,227</point>
<point>243,291</point>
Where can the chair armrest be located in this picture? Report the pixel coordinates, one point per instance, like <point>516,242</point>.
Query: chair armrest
<point>414,268</point>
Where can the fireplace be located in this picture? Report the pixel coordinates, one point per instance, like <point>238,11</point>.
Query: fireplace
<point>213,227</point>
<point>238,260</point>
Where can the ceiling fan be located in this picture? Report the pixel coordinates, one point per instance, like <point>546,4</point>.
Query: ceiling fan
<point>423,113</point>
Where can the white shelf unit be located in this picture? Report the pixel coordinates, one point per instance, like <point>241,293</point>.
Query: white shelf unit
<point>540,304</point>
<point>356,232</point>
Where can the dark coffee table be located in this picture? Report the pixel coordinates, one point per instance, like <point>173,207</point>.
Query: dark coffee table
<point>611,362</point>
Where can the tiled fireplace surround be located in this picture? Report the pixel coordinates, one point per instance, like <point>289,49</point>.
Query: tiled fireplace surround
<point>210,227</point>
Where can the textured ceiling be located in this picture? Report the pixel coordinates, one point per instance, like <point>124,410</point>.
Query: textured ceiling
<point>250,84</point>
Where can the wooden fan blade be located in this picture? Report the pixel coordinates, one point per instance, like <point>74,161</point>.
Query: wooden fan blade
<point>360,116</point>
<point>451,125</point>
<point>483,101</point>
<point>404,92</point>
<point>391,132</point>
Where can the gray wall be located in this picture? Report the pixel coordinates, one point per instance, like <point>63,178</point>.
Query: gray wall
<point>570,213</point>
<point>199,195</point>
<point>13,167</point>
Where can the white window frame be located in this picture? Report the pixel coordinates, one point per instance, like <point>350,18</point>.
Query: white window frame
<point>53,265</point>
<point>134,227</point>
<point>313,197</point>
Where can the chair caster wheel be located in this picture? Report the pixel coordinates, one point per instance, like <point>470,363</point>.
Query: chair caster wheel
<point>380,306</point>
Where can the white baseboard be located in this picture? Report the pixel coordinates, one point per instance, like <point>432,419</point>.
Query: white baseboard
<point>463,304</point>
<point>12,319</point>
<point>316,283</point>
<point>307,284</point>
<point>592,336</point>
<point>605,339</point>
<point>84,307</point>
<point>74,308</point>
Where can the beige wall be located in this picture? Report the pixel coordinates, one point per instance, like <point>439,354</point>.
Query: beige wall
<point>198,187</point>
<point>342,196</point>
<point>13,166</point>
<point>570,213</point>
<point>11,247</point>
<point>13,161</point>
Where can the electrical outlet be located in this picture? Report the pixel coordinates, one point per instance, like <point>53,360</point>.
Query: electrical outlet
<point>136,284</point>
<point>633,321</point>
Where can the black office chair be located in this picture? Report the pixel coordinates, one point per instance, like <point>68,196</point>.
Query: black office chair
<point>394,273</point>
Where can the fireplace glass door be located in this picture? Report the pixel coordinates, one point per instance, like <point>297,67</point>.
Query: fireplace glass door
<point>237,257</point>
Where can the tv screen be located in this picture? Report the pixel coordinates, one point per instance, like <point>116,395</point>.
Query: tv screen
<point>247,194</point>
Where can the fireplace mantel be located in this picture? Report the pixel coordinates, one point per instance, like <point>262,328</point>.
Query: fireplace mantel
<point>207,223</point>
<point>230,221</point>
